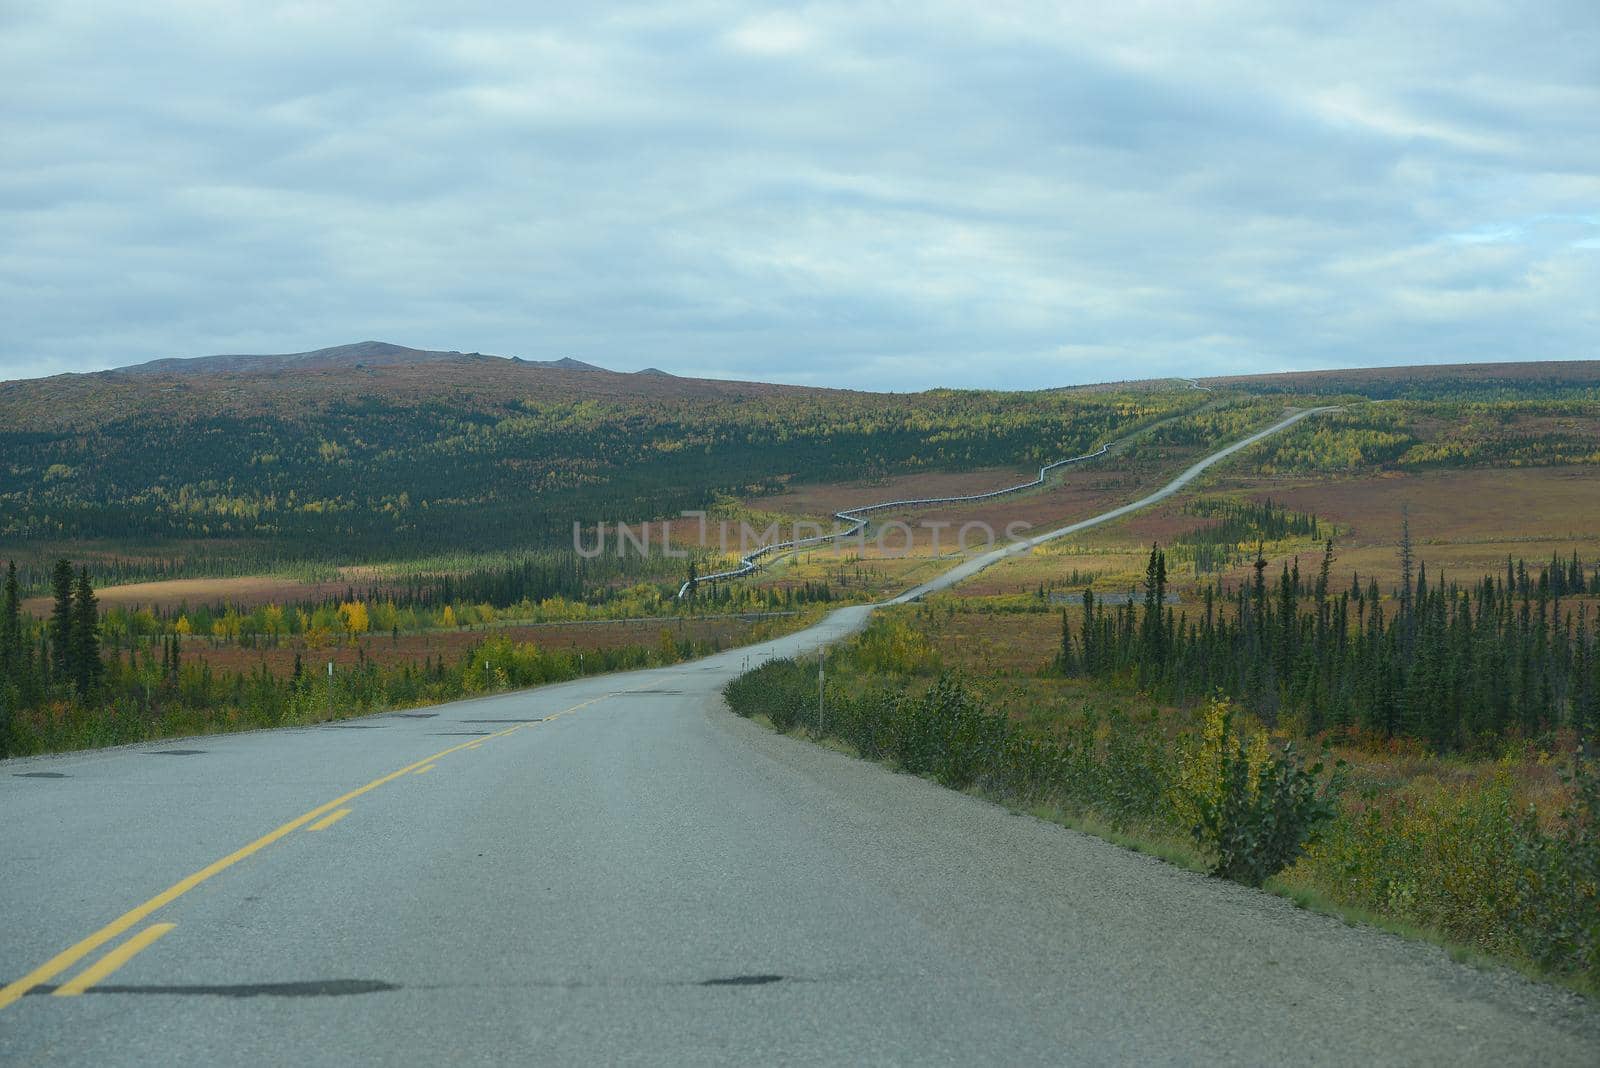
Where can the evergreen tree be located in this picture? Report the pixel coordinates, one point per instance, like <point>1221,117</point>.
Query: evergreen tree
<point>1152,631</point>
<point>1091,648</point>
<point>86,665</point>
<point>62,667</point>
<point>1066,658</point>
<point>11,627</point>
<point>11,658</point>
<point>1406,562</point>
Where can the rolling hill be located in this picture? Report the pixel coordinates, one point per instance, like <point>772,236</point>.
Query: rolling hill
<point>359,356</point>
<point>380,449</point>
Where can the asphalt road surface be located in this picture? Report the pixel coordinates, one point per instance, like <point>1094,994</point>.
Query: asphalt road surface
<point>617,870</point>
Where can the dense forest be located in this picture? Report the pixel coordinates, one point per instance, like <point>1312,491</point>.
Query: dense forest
<point>396,465</point>
<point>1456,667</point>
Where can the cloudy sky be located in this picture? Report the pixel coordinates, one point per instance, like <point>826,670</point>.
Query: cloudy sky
<point>889,196</point>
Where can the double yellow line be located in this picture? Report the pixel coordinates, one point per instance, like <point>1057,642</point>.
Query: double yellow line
<point>59,963</point>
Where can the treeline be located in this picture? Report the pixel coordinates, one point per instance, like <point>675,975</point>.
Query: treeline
<point>1239,520</point>
<point>1420,435</point>
<point>1216,547</point>
<point>128,564</point>
<point>332,619</point>
<point>60,690</point>
<point>386,476</point>
<point>1468,384</point>
<point>1457,667</point>
<point>69,649</point>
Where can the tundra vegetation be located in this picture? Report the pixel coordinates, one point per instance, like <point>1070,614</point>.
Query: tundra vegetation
<point>71,682</point>
<point>419,503</point>
<point>1372,826</point>
<point>1396,734</point>
<point>1376,737</point>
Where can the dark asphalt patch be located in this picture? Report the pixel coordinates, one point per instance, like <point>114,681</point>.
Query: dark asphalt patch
<point>315,988</point>
<point>743,980</point>
<point>39,774</point>
<point>413,715</point>
<point>176,752</point>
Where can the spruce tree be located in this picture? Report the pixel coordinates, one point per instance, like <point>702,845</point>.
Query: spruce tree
<point>1091,653</point>
<point>62,667</point>
<point>11,658</point>
<point>87,668</point>
<point>1152,633</point>
<point>11,627</point>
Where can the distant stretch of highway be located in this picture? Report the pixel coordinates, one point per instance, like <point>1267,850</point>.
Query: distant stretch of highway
<point>966,569</point>
<point>617,870</point>
<point>857,520</point>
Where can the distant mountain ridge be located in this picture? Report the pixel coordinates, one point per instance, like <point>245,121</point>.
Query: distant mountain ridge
<point>360,354</point>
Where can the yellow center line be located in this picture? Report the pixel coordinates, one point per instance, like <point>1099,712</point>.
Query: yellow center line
<point>329,820</point>
<point>424,769</point>
<point>112,961</point>
<point>59,963</point>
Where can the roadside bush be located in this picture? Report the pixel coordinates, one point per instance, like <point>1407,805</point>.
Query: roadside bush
<point>889,645</point>
<point>1260,812</point>
<point>1461,860</point>
<point>781,690</point>
<point>1557,914</point>
<point>1117,769</point>
<point>1454,857</point>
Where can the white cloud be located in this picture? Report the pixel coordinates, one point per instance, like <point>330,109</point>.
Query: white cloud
<point>772,35</point>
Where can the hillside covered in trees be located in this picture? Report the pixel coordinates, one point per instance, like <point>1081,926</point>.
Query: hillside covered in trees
<point>475,452</point>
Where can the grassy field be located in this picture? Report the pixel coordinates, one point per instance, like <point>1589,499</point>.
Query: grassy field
<point>1464,524</point>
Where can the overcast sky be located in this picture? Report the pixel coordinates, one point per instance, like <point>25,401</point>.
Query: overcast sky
<point>888,196</point>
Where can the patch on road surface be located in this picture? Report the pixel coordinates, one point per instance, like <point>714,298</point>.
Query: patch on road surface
<point>743,980</point>
<point>413,715</point>
<point>175,752</point>
<point>39,774</point>
<point>315,988</point>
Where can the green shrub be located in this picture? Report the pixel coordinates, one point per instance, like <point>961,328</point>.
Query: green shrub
<point>1116,768</point>
<point>1265,813</point>
<point>1557,914</point>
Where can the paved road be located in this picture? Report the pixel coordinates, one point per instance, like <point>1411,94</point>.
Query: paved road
<point>616,870</point>
<point>966,569</point>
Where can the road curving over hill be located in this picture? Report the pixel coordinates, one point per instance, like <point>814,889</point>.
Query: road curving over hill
<point>967,568</point>
<point>616,870</point>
